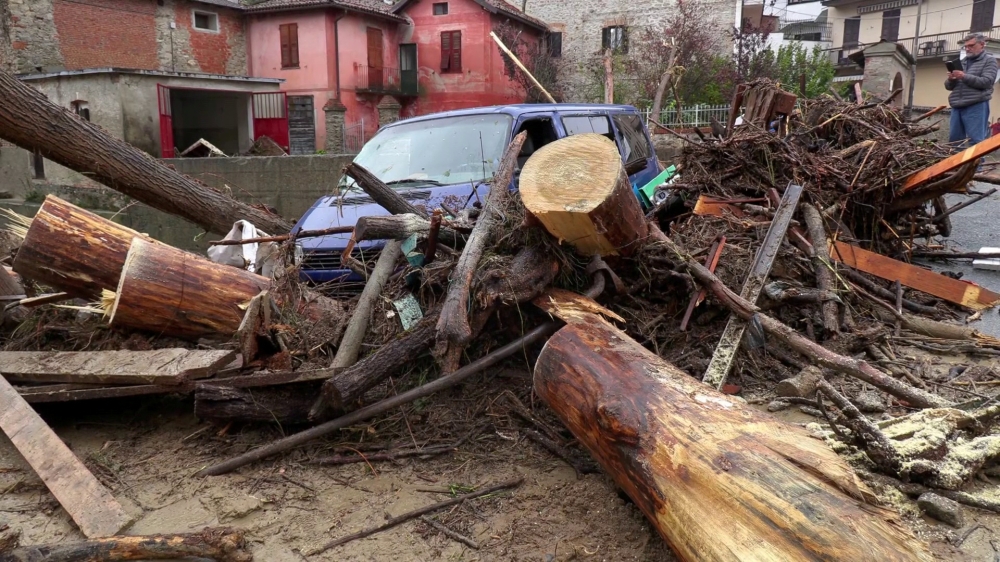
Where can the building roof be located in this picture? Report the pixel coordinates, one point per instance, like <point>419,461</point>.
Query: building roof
<point>113,70</point>
<point>373,7</point>
<point>234,4</point>
<point>498,7</point>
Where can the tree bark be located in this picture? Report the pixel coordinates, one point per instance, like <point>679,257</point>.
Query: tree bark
<point>719,480</point>
<point>579,190</point>
<point>32,122</point>
<point>400,227</point>
<point>821,266</point>
<point>454,332</point>
<point>172,292</point>
<point>74,250</point>
<point>220,544</point>
<point>381,193</point>
<point>288,403</point>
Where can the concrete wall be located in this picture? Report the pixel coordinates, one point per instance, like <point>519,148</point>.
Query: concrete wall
<point>581,22</point>
<point>53,35</point>
<point>15,170</point>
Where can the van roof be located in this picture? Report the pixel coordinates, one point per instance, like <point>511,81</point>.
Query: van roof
<point>516,110</point>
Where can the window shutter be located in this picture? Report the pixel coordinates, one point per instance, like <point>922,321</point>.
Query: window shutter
<point>890,25</point>
<point>852,31</point>
<point>285,53</point>
<point>605,38</point>
<point>982,15</point>
<point>293,43</point>
<point>456,51</point>
<point>624,40</point>
<point>445,50</point>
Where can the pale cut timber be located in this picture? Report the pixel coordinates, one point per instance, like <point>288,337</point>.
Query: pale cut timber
<point>88,502</point>
<point>74,250</point>
<point>709,207</point>
<point>161,366</point>
<point>951,290</point>
<point>168,291</point>
<point>950,163</point>
<point>577,187</point>
<point>718,479</point>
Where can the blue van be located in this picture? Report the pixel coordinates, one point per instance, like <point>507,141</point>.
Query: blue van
<point>446,161</point>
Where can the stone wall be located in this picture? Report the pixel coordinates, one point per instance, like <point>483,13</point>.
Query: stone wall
<point>581,22</point>
<point>55,35</point>
<point>6,49</point>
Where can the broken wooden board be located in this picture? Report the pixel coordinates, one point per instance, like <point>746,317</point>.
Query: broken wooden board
<point>88,502</point>
<point>710,207</point>
<point>76,392</point>
<point>161,366</point>
<point>570,307</point>
<point>952,290</point>
<point>948,164</point>
<point>725,352</point>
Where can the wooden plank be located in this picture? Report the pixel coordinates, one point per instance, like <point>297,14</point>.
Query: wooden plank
<point>87,501</point>
<point>161,366</point>
<point>950,163</point>
<point>707,206</point>
<point>725,352</point>
<point>952,290</point>
<point>76,392</point>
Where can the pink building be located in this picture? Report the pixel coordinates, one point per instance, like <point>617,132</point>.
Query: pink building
<point>350,66</point>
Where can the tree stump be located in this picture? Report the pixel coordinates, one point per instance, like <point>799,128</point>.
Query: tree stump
<point>718,479</point>
<point>577,187</point>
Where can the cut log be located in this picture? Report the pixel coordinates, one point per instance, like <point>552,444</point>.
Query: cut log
<point>952,290</point>
<point>399,227</point>
<point>172,292</point>
<point>221,545</point>
<point>718,479</point>
<point>8,285</point>
<point>454,331</point>
<point>34,123</point>
<point>281,404</point>
<point>85,499</point>
<point>73,250</point>
<point>577,187</point>
<point>161,366</point>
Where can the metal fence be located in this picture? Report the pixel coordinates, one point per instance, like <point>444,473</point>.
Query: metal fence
<point>354,137</point>
<point>687,117</point>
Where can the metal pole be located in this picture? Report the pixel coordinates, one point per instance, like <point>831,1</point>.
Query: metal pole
<point>913,53</point>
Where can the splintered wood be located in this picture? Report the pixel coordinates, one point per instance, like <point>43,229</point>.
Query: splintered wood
<point>88,502</point>
<point>577,187</point>
<point>162,366</point>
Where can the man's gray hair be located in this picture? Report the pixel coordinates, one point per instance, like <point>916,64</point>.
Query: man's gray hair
<point>979,37</point>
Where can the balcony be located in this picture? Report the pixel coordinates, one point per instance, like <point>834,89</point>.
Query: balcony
<point>940,45</point>
<point>385,81</point>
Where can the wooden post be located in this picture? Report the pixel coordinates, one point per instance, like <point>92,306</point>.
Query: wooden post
<point>609,78</point>
<point>32,122</point>
<point>579,190</point>
<point>718,479</point>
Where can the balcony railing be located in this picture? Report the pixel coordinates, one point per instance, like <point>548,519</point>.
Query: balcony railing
<point>387,81</point>
<point>926,46</point>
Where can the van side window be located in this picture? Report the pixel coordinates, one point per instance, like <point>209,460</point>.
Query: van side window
<point>576,124</point>
<point>634,146</point>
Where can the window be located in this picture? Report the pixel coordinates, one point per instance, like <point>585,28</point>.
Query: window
<point>816,36</point>
<point>451,51</point>
<point>852,31</point>
<point>206,21</point>
<point>289,45</point>
<point>37,165</point>
<point>615,38</point>
<point>982,15</point>
<point>633,144</point>
<point>890,25</point>
<point>577,124</point>
<point>441,9</point>
<point>82,109</point>
<point>553,44</point>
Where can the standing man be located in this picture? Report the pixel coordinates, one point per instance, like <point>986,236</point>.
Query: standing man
<point>971,90</point>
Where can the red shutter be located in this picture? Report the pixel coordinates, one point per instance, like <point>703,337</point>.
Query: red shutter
<point>456,51</point>
<point>445,51</point>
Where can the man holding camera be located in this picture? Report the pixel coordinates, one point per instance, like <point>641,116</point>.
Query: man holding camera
<point>971,89</point>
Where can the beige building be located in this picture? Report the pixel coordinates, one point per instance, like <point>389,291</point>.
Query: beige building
<point>931,30</point>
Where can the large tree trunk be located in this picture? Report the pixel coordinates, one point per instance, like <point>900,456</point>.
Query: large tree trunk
<point>73,250</point>
<point>718,479</point>
<point>172,292</point>
<point>577,187</point>
<point>32,122</point>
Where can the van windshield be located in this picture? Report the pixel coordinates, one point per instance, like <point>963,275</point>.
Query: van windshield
<point>450,150</point>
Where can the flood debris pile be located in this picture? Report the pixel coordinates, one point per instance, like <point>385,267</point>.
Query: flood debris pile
<point>774,272</point>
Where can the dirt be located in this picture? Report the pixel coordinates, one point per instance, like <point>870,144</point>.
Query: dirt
<point>147,451</point>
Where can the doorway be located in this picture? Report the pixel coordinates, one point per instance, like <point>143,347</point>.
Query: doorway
<point>301,125</point>
<point>219,117</point>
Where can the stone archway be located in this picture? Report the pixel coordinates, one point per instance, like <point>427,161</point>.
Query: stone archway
<point>897,84</point>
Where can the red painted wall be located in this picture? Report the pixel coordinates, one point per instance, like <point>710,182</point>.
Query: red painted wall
<point>482,80</point>
<point>101,33</point>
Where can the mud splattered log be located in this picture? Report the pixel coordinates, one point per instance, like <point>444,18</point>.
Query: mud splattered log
<point>73,250</point>
<point>718,479</point>
<point>172,292</point>
<point>579,190</point>
<point>221,545</point>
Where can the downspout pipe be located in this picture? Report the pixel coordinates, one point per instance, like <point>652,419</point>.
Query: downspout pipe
<point>916,46</point>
